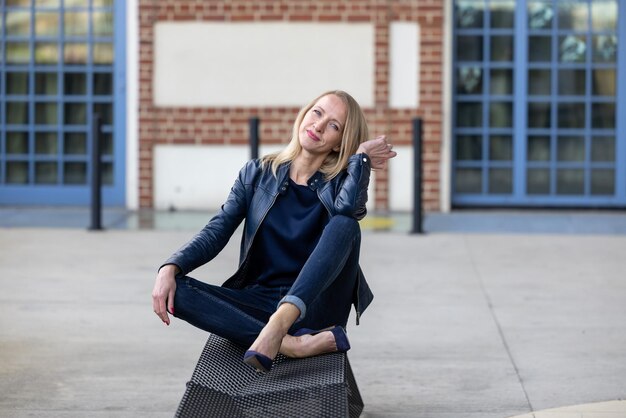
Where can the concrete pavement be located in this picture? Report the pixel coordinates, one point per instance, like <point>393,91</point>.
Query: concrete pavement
<point>474,325</point>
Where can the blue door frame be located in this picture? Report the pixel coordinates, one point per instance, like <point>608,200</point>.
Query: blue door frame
<point>112,104</point>
<point>519,164</point>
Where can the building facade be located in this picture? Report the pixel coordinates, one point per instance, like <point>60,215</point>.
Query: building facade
<point>520,99</point>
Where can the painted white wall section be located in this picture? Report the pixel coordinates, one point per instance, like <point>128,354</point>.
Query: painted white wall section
<point>195,177</point>
<point>403,65</point>
<point>132,105</point>
<point>261,64</point>
<point>401,180</point>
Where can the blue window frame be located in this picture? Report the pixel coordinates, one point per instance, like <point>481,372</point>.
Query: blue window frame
<point>538,110</point>
<point>61,62</point>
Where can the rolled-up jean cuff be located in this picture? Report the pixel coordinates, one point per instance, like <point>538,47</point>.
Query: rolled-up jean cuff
<point>297,302</point>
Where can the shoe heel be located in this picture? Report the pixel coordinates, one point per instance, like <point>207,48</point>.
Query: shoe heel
<point>260,362</point>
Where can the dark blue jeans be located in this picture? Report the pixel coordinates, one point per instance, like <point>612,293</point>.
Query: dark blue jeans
<point>323,291</point>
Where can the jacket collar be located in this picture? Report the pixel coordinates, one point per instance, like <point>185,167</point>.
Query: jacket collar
<point>316,181</point>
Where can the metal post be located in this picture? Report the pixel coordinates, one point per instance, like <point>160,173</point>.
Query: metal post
<point>254,137</point>
<point>417,176</point>
<point>96,177</point>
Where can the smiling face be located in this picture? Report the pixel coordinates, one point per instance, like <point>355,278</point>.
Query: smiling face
<point>322,127</point>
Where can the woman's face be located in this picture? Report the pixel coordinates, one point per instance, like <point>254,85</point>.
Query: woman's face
<point>321,129</point>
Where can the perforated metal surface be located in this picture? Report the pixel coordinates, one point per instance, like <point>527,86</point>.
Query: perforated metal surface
<point>223,386</point>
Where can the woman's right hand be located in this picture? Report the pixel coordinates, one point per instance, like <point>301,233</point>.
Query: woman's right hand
<point>164,291</point>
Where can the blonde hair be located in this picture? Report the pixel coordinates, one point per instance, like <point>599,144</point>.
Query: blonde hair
<point>355,131</point>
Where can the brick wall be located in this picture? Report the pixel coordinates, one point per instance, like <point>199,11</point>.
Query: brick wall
<point>208,125</point>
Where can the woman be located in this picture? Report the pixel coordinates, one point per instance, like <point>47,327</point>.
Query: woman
<point>298,269</point>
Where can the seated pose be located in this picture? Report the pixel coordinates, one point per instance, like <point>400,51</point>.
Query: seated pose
<point>299,268</point>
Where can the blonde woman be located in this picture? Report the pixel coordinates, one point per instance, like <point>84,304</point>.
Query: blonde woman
<point>298,270</point>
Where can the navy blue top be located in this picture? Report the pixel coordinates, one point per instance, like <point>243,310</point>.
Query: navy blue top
<point>287,236</point>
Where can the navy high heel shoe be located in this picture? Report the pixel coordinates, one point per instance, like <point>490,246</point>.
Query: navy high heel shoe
<point>341,339</point>
<point>260,362</point>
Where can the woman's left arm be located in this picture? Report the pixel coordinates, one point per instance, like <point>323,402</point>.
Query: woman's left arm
<point>352,195</point>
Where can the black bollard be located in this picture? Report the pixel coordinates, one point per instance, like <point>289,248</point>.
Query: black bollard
<point>96,174</point>
<point>254,137</point>
<point>417,177</point>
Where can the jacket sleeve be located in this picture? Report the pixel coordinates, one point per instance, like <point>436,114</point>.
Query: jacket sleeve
<point>351,197</point>
<point>207,243</point>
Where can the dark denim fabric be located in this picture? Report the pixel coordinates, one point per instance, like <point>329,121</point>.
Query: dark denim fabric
<point>323,291</point>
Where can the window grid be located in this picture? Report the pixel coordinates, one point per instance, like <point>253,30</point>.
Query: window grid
<point>46,113</point>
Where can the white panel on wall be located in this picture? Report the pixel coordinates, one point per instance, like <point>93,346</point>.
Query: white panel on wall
<point>401,180</point>
<point>261,64</point>
<point>403,65</point>
<point>195,177</point>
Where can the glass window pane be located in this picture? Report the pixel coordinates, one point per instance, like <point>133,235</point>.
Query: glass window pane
<point>47,3</point>
<point>538,148</point>
<point>75,113</point>
<point>573,15</point>
<point>46,172</point>
<point>540,15</point>
<point>501,48</point>
<point>501,148</point>
<point>603,115</point>
<point>75,144</point>
<point>105,110</point>
<point>102,53</point>
<point>469,114</point>
<point>469,48</point>
<point>46,84</point>
<point>46,53</point>
<point>107,173</point>
<point>103,84</point>
<point>571,148</point>
<point>539,115</point>
<point>539,82</point>
<point>469,147</point>
<point>74,173</point>
<point>103,3</point>
<point>17,172</point>
<point>106,144</point>
<point>18,3</point>
<point>572,48</point>
<point>603,149</point>
<point>76,3</point>
<point>17,83</point>
<point>571,115</point>
<point>18,23</point>
<point>538,181</point>
<point>17,143</point>
<point>604,15</point>
<point>603,82</point>
<point>17,113</point>
<point>570,181</point>
<point>75,83</point>
<point>47,23</point>
<point>603,182</point>
<point>572,82</point>
<point>501,114</point>
<point>103,24</point>
<point>76,23</point>
<point>539,48</point>
<point>74,53</point>
<point>500,181</point>
<point>46,143</point>
<point>501,82</point>
<point>45,113</point>
<point>469,80</point>
<point>469,14</point>
<point>503,14</point>
<point>17,52</point>
<point>468,180</point>
<point>605,48</point>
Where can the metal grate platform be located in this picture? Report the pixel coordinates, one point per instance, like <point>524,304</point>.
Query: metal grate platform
<point>222,385</point>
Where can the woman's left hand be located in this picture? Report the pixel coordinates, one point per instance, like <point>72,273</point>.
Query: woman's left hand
<point>379,151</point>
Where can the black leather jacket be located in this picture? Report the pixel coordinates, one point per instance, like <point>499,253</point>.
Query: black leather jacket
<point>251,197</point>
